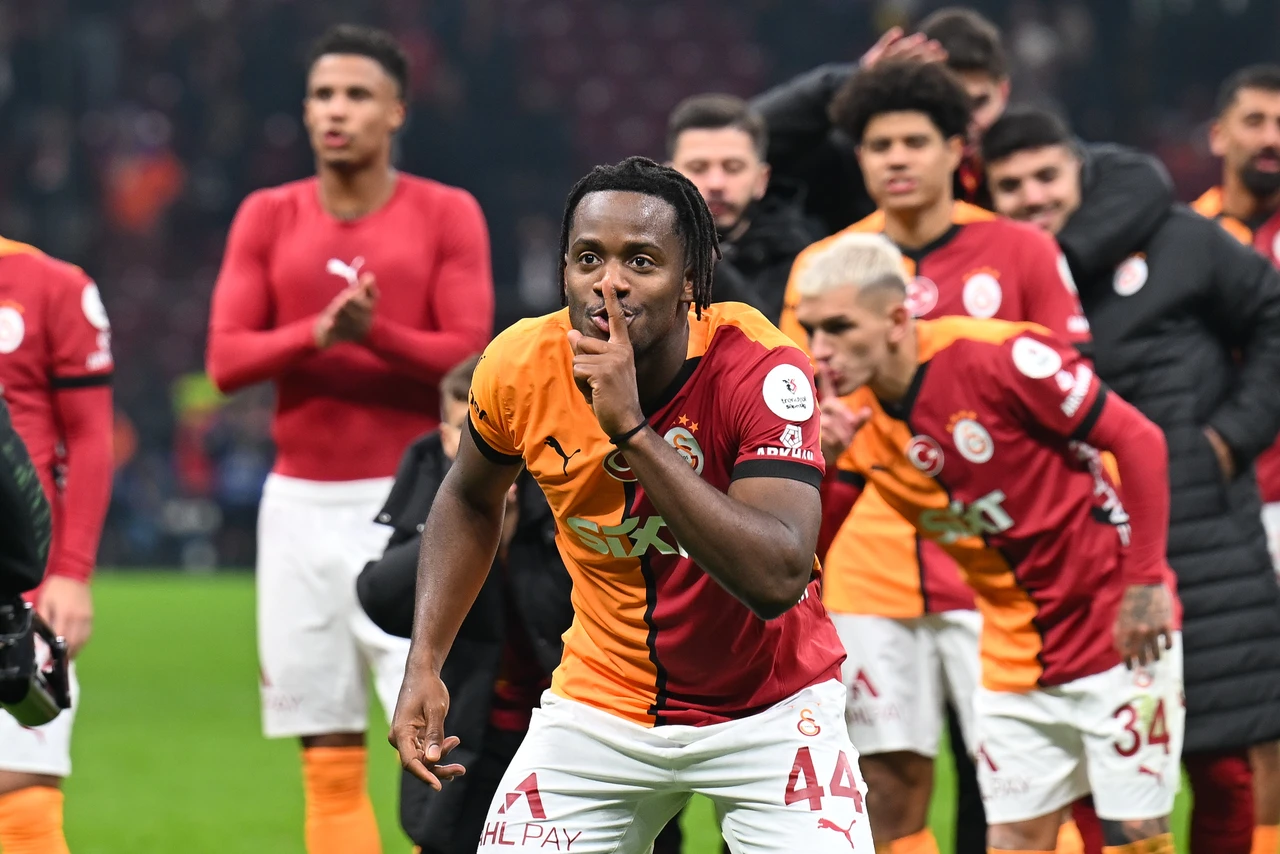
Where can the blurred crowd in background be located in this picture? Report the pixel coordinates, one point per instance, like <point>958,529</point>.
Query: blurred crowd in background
<point>134,128</point>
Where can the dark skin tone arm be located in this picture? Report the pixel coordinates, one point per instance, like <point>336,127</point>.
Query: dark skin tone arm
<point>458,545</point>
<point>757,541</point>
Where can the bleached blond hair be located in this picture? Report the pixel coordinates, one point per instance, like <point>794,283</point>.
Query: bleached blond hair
<point>858,260</point>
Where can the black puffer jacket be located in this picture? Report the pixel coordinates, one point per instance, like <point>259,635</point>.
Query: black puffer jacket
<point>536,579</point>
<point>1187,329</point>
<point>755,267</point>
<point>24,533</point>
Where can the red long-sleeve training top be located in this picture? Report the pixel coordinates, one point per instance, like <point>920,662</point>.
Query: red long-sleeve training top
<point>55,374</point>
<point>347,412</point>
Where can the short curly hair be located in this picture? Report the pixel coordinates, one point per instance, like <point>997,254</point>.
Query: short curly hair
<point>378,45</point>
<point>898,87</point>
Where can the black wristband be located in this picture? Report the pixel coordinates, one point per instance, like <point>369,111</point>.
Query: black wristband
<point>618,440</point>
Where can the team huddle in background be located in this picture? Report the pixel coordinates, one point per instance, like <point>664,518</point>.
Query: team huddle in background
<point>883,416</point>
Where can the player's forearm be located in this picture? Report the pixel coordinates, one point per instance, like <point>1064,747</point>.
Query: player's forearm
<point>86,416</point>
<point>755,556</point>
<point>243,357</point>
<point>424,355</point>
<point>1142,460</point>
<point>458,547</point>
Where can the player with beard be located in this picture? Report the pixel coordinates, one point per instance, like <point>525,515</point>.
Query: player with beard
<point>700,658</point>
<point>354,292</point>
<point>1246,135</point>
<point>720,144</point>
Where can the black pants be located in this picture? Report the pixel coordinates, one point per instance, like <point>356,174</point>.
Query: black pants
<point>484,774</point>
<point>971,818</point>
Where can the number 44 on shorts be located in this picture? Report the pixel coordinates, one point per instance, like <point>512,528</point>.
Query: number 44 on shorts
<point>803,785</point>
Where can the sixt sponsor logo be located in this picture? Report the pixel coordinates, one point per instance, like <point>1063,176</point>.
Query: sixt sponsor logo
<point>957,520</point>
<point>629,539</point>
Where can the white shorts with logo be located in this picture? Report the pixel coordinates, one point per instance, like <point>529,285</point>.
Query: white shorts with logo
<point>45,749</point>
<point>1271,522</point>
<point>1117,734</point>
<point>314,640</point>
<point>586,781</point>
<point>900,673</point>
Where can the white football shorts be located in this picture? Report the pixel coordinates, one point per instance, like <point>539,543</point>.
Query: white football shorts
<point>314,640</point>
<point>900,673</point>
<point>1117,733</point>
<point>587,781</point>
<point>45,749</point>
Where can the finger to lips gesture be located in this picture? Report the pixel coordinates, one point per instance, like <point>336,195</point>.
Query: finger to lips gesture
<point>605,371</point>
<point>839,422</point>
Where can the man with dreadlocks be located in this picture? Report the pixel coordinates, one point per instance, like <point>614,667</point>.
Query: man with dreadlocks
<point>684,481</point>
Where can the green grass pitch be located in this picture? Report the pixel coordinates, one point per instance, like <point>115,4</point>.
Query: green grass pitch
<point>168,753</point>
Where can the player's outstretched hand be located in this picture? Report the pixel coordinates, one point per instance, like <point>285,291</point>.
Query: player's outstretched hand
<point>839,422</point>
<point>1145,624</point>
<point>67,606</point>
<point>417,728</point>
<point>605,371</point>
<point>895,46</point>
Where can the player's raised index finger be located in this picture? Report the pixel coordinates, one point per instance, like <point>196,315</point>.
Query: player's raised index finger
<point>618,332</point>
<point>826,388</point>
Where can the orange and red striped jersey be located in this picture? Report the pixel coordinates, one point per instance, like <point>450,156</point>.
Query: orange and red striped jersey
<point>985,458</point>
<point>654,638</point>
<point>56,371</point>
<point>983,266</point>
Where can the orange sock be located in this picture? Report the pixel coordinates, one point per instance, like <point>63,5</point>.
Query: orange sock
<point>917,843</point>
<point>339,813</point>
<point>1266,839</point>
<point>1069,839</point>
<point>1162,844</point>
<point>31,822</point>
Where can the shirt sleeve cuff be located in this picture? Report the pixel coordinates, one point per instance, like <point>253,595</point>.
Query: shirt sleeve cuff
<point>491,453</point>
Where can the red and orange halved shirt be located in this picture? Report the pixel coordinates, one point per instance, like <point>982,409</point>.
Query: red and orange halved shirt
<point>56,370</point>
<point>985,458</point>
<point>654,638</point>
<point>983,267</point>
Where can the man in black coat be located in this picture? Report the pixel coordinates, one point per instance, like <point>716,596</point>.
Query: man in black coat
<point>1129,191</point>
<point>507,646</point>
<point>1186,328</point>
<point>720,144</point>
